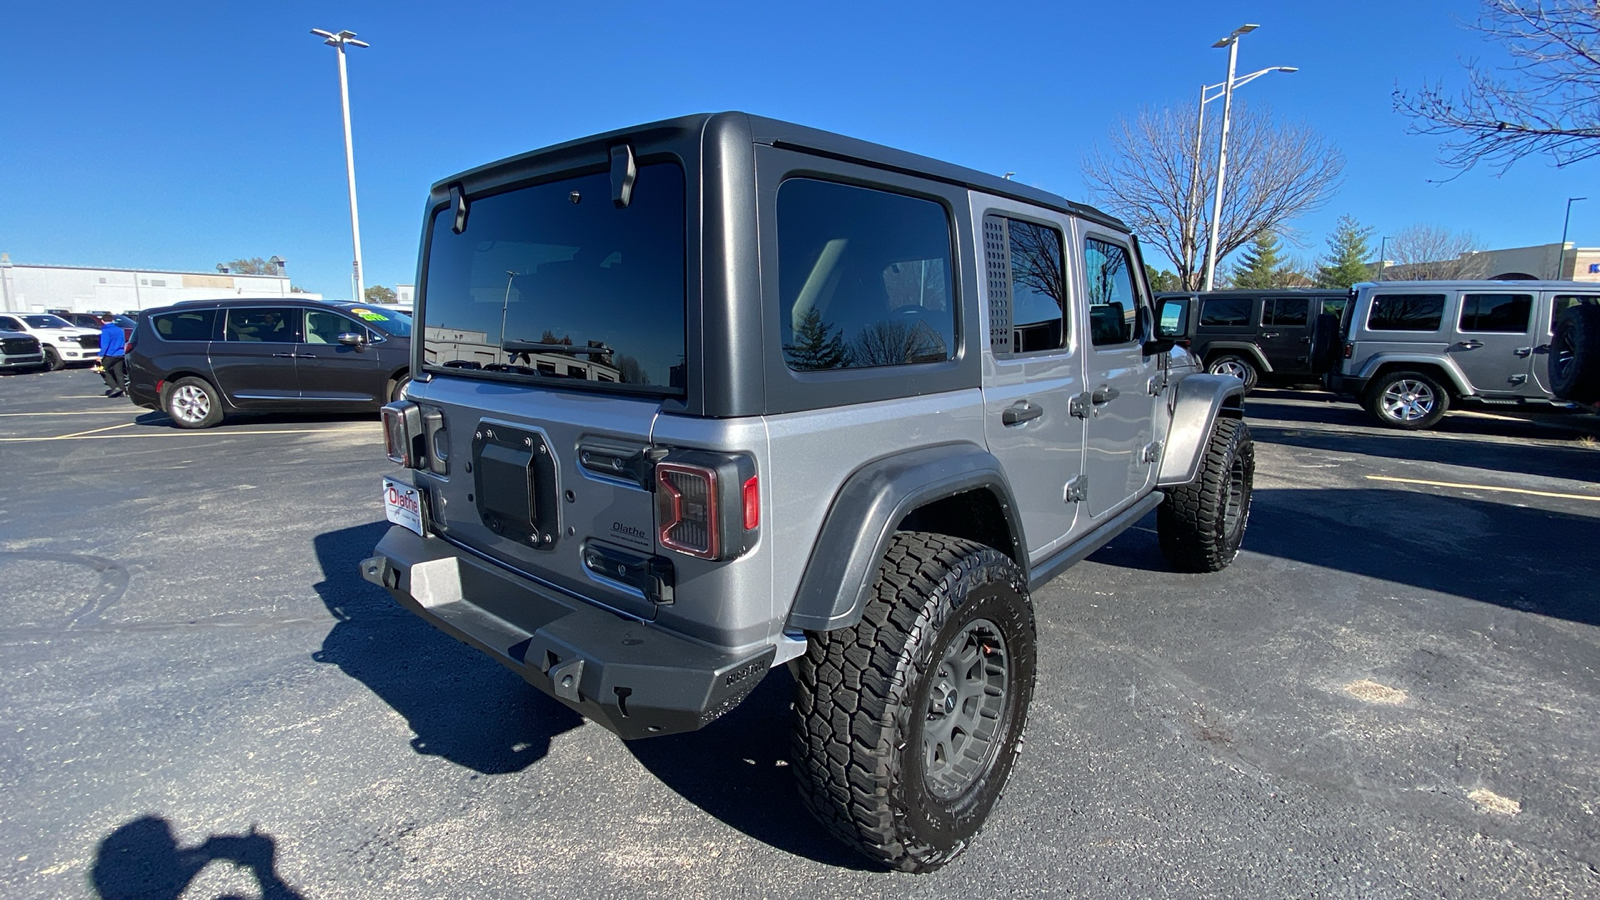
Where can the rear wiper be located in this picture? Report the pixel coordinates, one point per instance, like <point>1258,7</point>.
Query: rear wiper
<point>537,347</point>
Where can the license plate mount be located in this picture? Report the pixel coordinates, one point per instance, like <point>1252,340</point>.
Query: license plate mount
<point>402,505</point>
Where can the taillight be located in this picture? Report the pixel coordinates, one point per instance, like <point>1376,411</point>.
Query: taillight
<point>402,429</point>
<point>1349,350</point>
<point>708,505</point>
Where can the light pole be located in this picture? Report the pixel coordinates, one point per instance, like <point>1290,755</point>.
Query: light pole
<point>338,42</point>
<point>1232,43</point>
<point>1561,263</point>
<point>505,305</point>
<point>1383,248</point>
<point>1199,135</point>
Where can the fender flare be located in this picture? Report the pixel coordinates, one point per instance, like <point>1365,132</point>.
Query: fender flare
<point>1197,402</point>
<point>1245,347</point>
<point>862,518</point>
<point>1452,372</point>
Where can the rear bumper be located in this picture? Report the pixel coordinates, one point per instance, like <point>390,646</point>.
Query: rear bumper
<point>633,678</point>
<point>1344,385</point>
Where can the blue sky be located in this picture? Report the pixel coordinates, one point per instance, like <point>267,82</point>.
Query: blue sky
<point>177,135</point>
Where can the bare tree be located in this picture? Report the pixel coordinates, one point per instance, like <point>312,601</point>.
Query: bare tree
<point>1547,101</point>
<point>1433,253</point>
<point>1147,175</point>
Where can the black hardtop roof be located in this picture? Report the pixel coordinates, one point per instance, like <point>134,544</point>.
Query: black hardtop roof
<point>788,135</point>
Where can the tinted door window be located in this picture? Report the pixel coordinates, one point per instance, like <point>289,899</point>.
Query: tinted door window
<point>325,327</point>
<point>1027,286</point>
<point>1113,301</point>
<point>263,326</point>
<point>1503,313</point>
<point>551,277</point>
<point>1226,312</point>
<point>1406,312</point>
<point>864,277</point>
<point>189,325</point>
<point>1286,312</point>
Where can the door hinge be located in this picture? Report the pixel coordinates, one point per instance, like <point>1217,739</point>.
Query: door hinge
<point>1078,407</point>
<point>1077,490</point>
<point>1157,384</point>
<point>1152,452</point>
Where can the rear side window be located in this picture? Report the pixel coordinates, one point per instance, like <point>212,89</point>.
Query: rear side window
<point>1027,286</point>
<point>1406,312</point>
<point>189,325</point>
<point>864,277</point>
<point>1564,302</point>
<point>1285,312</point>
<point>1113,301</point>
<point>263,326</point>
<point>1502,313</point>
<point>1226,312</point>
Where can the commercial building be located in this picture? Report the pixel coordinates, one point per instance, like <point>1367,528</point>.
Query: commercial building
<point>28,288</point>
<point>1553,262</point>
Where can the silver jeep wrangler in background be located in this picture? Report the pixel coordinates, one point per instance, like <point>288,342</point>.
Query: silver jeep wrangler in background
<point>708,395</point>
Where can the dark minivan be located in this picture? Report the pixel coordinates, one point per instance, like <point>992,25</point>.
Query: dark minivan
<point>1253,335</point>
<point>200,360</point>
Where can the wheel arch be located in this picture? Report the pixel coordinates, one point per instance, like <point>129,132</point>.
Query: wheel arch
<point>956,489</point>
<point>1199,401</point>
<point>177,375</point>
<point>1443,371</point>
<point>1238,348</point>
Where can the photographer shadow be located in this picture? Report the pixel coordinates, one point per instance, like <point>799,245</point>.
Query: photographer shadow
<point>460,704</point>
<point>142,859</point>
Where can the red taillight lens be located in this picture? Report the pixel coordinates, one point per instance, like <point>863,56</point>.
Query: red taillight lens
<point>686,509</point>
<point>402,425</point>
<point>752,504</point>
<point>1349,350</point>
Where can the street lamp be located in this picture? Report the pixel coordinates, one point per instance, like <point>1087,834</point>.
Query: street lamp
<point>1232,43</point>
<point>1199,135</point>
<point>1561,263</point>
<point>338,42</point>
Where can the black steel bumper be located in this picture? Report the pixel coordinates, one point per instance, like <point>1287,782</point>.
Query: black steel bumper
<point>631,677</point>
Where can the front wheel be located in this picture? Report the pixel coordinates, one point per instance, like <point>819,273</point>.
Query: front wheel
<point>1201,524</point>
<point>192,403</point>
<point>907,725</point>
<point>1408,400</point>
<point>1237,367</point>
<point>52,359</point>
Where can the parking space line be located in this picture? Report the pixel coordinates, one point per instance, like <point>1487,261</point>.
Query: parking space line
<point>76,412</point>
<point>93,436</point>
<point>1485,487</point>
<point>92,431</point>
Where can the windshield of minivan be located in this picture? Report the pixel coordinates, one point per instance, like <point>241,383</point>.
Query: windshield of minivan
<point>47,322</point>
<point>556,282</point>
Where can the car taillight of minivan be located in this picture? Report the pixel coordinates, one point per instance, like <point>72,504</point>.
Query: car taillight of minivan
<point>708,505</point>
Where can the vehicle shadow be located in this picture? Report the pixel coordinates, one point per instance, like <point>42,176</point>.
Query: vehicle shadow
<point>1325,409</point>
<point>142,859</point>
<point>1542,459</point>
<point>162,420</point>
<point>737,769</point>
<point>1461,546</point>
<point>462,705</point>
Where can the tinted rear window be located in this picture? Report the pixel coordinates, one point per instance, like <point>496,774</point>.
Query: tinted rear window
<point>863,277</point>
<point>1229,312</point>
<point>1285,311</point>
<point>554,283</point>
<point>1406,312</point>
<point>189,325</point>
<point>1504,313</point>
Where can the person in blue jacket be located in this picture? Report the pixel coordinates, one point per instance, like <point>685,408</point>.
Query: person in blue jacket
<point>113,358</point>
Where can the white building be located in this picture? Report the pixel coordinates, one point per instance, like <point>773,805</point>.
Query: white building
<point>1554,262</point>
<point>25,288</point>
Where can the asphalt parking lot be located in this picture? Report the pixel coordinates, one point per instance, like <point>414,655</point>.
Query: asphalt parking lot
<point>1394,692</point>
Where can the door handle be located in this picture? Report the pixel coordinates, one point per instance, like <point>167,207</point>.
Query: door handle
<point>1104,395</point>
<point>305,356</point>
<point>1470,345</point>
<point>1270,334</point>
<point>1022,412</point>
<point>284,355</point>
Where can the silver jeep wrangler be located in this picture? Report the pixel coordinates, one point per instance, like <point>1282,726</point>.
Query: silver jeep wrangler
<point>708,395</point>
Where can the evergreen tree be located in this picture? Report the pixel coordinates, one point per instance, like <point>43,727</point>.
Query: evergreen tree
<point>1161,279</point>
<point>1261,265</point>
<point>816,345</point>
<point>1346,262</point>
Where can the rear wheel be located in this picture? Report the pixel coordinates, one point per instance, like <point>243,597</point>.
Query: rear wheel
<point>52,359</point>
<point>1236,366</point>
<point>397,387</point>
<point>1201,524</point>
<point>1408,400</point>
<point>907,724</point>
<point>192,403</point>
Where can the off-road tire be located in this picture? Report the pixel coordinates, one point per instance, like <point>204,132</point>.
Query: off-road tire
<point>1325,344</point>
<point>192,403</point>
<point>1386,401</point>
<point>1234,364</point>
<point>1574,359</point>
<point>1201,524</point>
<point>52,360</point>
<point>863,696</point>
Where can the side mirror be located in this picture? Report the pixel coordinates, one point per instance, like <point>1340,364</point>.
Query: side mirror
<point>353,339</point>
